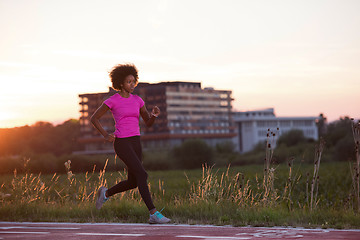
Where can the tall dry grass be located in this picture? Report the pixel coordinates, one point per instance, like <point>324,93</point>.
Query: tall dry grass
<point>212,187</point>
<point>292,180</point>
<point>270,193</point>
<point>319,148</point>
<point>356,166</point>
<point>34,188</point>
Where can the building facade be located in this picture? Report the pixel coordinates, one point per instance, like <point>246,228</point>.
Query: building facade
<point>187,111</point>
<point>91,141</point>
<point>252,127</point>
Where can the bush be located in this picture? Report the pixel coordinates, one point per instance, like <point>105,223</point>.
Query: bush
<point>157,160</point>
<point>225,147</point>
<point>292,138</point>
<point>43,163</point>
<point>301,151</point>
<point>86,163</point>
<point>345,149</point>
<point>225,153</point>
<point>9,164</point>
<point>193,153</point>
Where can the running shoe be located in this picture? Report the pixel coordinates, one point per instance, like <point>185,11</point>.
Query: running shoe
<point>101,199</point>
<point>158,218</point>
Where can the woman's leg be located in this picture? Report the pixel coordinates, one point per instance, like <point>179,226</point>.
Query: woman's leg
<point>123,186</point>
<point>130,152</point>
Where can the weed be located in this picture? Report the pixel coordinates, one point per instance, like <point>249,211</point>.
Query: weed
<point>356,169</point>
<point>319,148</point>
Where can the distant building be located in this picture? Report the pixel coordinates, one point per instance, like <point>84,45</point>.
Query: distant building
<point>91,140</point>
<point>187,111</point>
<point>252,127</point>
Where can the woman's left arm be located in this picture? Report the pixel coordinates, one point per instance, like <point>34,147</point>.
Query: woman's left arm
<point>148,118</point>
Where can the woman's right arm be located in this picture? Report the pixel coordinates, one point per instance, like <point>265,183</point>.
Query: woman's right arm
<point>95,121</point>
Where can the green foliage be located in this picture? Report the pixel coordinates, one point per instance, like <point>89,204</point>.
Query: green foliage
<point>158,160</point>
<point>338,130</point>
<point>339,138</point>
<point>49,163</point>
<point>40,138</point>
<point>292,138</point>
<point>301,151</point>
<point>192,154</point>
<point>345,149</point>
<point>225,153</point>
<point>225,147</point>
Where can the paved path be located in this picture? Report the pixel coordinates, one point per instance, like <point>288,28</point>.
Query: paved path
<point>57,231</point>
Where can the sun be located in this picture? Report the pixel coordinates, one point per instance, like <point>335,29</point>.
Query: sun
<point>8,119</point>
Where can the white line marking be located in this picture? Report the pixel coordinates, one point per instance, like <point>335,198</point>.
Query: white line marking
<point>211,237</point>
<point>276,233</point>
<point>60,228</point>
<point>111,234</point>
<point>26,232</point>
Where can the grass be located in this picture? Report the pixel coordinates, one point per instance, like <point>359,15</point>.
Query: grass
<point>220,196</point>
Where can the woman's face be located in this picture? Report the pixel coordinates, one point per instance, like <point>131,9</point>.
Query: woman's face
<point>129,84</point>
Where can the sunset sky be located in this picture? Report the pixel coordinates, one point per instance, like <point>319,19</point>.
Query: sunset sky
<point>300,57</point>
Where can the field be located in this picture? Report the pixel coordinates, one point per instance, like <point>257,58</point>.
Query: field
<point>236,196</point>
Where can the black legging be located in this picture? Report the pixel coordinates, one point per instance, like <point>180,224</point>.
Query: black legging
<point>130,152</point>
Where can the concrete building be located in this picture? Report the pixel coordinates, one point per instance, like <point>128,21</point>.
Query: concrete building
<point>91,140</point>
<point>187,111</point>
<point>252,127</point>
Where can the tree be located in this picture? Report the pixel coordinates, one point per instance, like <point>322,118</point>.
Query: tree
<point>67,137</point>
<point>345,149</point>
<point>225,147</point>
<point>291,138</point>
<point>338,130</point>
<point>193,153</point>
<point>339,137</point>
<point>40,138</point>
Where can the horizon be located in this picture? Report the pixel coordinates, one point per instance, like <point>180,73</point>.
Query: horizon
<point>299,57</point>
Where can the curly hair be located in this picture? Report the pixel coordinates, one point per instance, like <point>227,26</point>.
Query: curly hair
<point>120,72</point>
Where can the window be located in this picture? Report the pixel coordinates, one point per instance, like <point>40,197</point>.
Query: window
<point>223,103</point>
<point>261,124</point>
<point>262,133</point>
<point>308,123</point>
<point>299,123</point>
<point>272,123</point>
<point>223,95</point>
<point>248,124</point>
<point>285,123</point>
<point>309,133</point>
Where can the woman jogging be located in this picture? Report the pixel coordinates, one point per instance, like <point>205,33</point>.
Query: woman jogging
<point>126,109</point>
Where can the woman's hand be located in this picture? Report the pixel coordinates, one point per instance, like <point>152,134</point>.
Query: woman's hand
<point>110,137</point>
<point>155,111</point>
<point>149,118</point>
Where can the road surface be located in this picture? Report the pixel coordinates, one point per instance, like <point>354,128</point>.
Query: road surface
<point>108,231</point>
